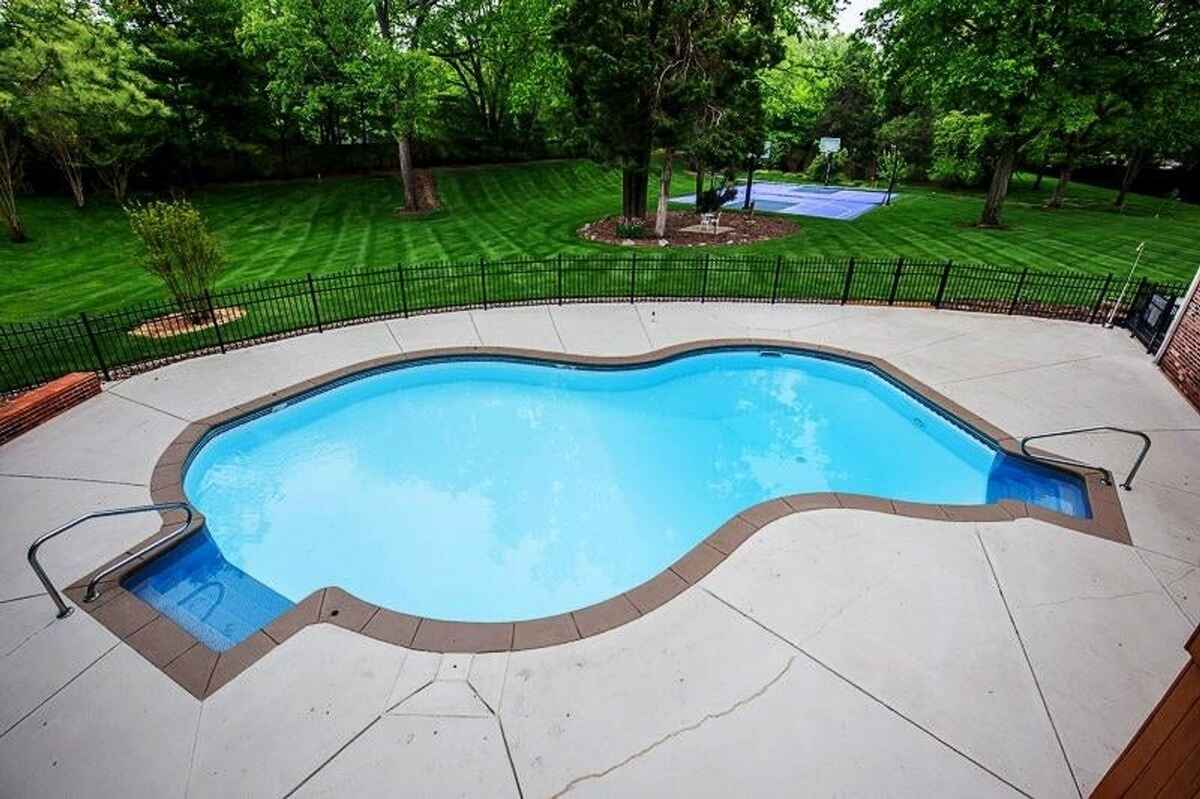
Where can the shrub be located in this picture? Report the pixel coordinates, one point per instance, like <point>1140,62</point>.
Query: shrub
<point>179,249</point>
<point>631,230</point>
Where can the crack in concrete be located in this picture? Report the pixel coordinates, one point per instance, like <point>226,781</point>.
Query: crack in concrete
<point>1164,585</point>
<point>929,344</point>
<point>1086,598</point>
<point>681,731</point>
<point>1050,365</point>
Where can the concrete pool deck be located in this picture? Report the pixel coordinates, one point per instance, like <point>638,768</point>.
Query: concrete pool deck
<point>837,651</point>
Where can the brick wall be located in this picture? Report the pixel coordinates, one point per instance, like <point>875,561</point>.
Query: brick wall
<point>1181,361</point>
<point>30,409</point>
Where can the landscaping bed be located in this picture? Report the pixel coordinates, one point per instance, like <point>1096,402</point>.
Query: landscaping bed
<point>736,227</point>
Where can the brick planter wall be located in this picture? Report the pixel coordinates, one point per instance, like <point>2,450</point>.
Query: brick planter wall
<point>1181,361</point>
<point>32,408</point>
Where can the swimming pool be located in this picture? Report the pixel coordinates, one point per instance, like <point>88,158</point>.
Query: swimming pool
<point>492,489</point>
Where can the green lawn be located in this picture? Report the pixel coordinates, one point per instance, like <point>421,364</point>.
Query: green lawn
<point>87,260</point>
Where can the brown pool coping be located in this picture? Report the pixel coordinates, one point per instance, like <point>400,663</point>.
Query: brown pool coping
<point>203,671</point>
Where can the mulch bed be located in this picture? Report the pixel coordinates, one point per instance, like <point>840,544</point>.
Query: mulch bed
<point>746,228</point>
<point>178,324</point>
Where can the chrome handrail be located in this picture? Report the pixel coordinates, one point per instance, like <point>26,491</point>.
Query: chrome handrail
<point>92,593</point>
<point>1108,478</point>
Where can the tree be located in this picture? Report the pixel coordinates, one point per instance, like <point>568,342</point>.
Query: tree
<point>495,48</point>
<point>796,93</point>
<point>117,143</point>
<point>611,48</point>
<point>329,56</point>
<point>993,58</point>
<point>894,167</point>
<point>852,108</point>
<point>216,92</point>
<point>402,86</point>
<point>649,72</point>
<point>910,134</point>
<point>1020,62</point>
<point>64,73</point>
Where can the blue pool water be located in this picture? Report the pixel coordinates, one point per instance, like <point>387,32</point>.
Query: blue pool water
<point>494,490</point>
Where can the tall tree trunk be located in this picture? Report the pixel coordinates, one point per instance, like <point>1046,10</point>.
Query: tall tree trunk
<point>1041,173</point>
<point>634,182</point>
<point>1060,188</point>
<point>404,148</point>
<point>749,185</point>
<point>993,204</point>
<point>64,155</point>
<point>10,177</point>
<point>664,194</point>
<point>1133,166</point>
<point>116,177</point>
<point>699,183</point>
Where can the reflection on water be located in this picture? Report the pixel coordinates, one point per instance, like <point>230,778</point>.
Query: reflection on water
<point>488,490</point>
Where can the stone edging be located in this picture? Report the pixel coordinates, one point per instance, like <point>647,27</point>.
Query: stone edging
<point>202,671</point>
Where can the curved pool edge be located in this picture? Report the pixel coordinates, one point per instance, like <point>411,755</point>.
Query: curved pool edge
<point>202,671</point>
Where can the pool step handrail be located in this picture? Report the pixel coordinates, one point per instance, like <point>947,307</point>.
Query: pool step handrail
<point>1108,476</point>
<point>91,593</point>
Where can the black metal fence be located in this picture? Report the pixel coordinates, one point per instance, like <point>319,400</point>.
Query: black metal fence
<point>144,336</point>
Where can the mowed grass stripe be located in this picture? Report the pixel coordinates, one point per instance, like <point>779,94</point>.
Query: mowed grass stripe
<point>88,260</point>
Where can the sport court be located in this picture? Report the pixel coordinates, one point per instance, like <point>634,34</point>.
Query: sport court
<point>826,202</point>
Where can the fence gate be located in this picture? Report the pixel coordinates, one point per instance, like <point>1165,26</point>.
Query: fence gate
<point>1151,312</point>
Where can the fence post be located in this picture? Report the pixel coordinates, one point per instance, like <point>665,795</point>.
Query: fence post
<point>849,280</point>
<point>403,290</point>
<point>560,292</point>
<point>95,345</point>
<point>775,284</point>
<point>632,275</point>
<point>212,314</point>
<point>312,293</point>
<point>1012,307</point>
<point>1100,298</point>
<point>941,292</point>
<point>483,280</point>
<point>896,281</point>
<point>704,280</point>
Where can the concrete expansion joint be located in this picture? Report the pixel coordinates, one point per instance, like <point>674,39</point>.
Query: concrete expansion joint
<point>112,392</point>
<point>695,725</point>
<point>30,637</point>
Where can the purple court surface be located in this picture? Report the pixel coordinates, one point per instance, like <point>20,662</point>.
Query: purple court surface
<point>826,202</point>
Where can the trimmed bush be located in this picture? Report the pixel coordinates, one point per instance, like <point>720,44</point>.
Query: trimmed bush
<point>179,249</point>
